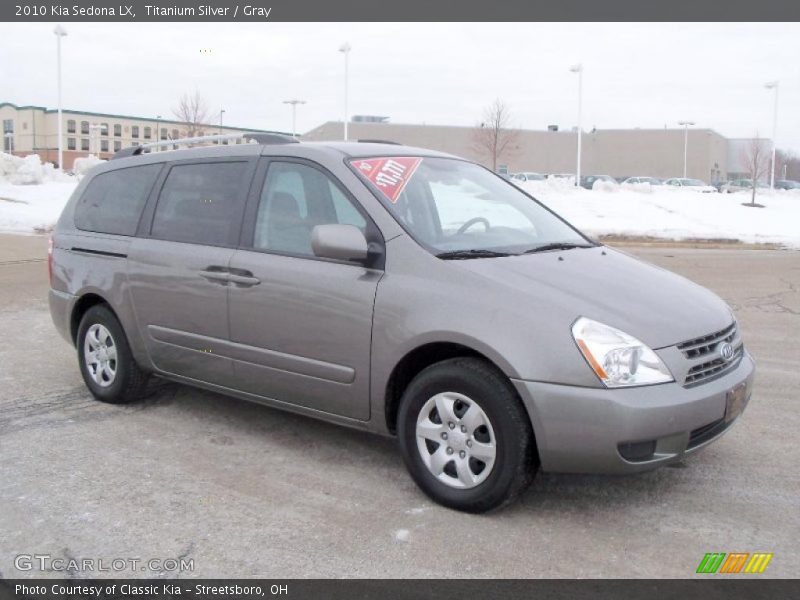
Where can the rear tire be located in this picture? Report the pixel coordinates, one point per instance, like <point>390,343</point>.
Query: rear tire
<point>105,358</point>
<point>465,437</point>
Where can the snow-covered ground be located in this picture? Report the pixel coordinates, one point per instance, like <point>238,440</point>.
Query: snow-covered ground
<point>670,213</point>
<point>658,212</point>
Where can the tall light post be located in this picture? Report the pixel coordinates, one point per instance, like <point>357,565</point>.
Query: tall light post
<point>157,137</point>
<point>345,49</point>
<point>579,70</point>
<point>294,102</point>
<point>221,114</point>
<point>686,125</point>
<point>773,85</point>
<point>60,32</point>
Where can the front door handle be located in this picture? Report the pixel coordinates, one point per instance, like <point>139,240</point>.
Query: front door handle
<point>243,280</point>
<point>218,276</point>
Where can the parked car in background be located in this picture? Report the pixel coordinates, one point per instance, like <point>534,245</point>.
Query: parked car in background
<point>528,176</point>
<point>787,184</point>
<point>695,185</point>
<point>650,180</point>
<point>588,181</point>
<point>740,185</point>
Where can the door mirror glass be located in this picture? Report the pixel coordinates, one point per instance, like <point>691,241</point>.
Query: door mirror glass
<point>340,242</point>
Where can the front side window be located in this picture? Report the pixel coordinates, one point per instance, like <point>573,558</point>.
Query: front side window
<point>113,201</point>
<point>450,205</point>
<point>201,204</point>
<point>295,199</point>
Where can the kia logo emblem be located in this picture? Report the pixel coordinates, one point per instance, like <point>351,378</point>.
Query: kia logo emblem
<point>725,351</point>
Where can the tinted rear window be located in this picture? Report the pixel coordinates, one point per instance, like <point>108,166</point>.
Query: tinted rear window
<point>201,204</point>
<point>113,201</point>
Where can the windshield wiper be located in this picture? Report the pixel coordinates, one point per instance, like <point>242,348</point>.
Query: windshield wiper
<point>473,253</point>
<point>557,246</point>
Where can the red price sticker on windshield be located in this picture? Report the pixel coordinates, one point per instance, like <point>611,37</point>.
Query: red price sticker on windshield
<point>390,174</point>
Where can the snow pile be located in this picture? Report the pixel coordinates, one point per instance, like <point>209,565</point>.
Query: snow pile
<point>33,208</point>
<point>28,170</point>
<point>605,186</point>
<point>82,165</point>
<point>677,214</point>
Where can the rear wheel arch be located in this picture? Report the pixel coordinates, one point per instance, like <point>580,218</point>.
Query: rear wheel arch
<point>85,302</point>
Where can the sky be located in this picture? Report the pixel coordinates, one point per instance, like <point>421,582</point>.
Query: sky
<point>647,75</point>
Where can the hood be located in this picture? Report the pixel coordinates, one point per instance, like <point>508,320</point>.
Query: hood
<point>652,304</point>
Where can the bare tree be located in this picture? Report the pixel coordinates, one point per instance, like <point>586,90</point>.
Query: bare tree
<point>192,111</point>
<point>756,157</point>
<point>494,138</point>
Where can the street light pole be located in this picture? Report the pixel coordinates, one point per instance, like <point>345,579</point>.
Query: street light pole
<point>294,102</point>
<point>157,137</point>
<point>773,85</point>
<point>60,32</point>
<point>345,49</point>
<point>579,70</point>
<point>685,143</point>
<point>221,112</point>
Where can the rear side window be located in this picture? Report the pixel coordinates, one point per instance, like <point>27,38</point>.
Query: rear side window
<point>113,201</point>
<point>201,204</point>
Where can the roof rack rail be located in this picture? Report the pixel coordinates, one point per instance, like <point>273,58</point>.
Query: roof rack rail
<point>380,142</point>
<point>258,138</point>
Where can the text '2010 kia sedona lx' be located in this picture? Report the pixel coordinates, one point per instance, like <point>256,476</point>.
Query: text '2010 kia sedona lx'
<point>398,290</point>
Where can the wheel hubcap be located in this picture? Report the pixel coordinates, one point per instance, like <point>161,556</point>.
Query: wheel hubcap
<point>455,440</point>
<point>100,355</point>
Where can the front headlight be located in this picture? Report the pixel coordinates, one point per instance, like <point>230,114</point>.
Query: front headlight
<point>618,359</point>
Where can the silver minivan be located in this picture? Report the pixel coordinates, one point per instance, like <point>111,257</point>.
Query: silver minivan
<point>397,290</point>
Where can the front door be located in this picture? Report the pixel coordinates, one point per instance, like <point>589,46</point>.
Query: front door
<point>301,326</point>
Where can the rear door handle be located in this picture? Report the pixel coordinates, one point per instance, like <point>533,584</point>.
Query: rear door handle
<point>218,276</point>
<point>243,280</point>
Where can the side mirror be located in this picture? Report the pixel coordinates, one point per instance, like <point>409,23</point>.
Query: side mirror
<point>340,242</point>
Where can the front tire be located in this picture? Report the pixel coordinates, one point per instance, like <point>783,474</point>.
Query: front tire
<point>465,437</point>
<point>105,358</point>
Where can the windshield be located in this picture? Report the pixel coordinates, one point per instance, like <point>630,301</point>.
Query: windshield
<point>692,182</point>
<point>450,205</point>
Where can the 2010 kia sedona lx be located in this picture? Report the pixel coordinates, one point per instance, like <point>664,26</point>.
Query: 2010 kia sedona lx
<point>398,290</point>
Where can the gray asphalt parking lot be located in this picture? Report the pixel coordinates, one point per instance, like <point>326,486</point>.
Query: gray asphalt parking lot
<point>245,491</point>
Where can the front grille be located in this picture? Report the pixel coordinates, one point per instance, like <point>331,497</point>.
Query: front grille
<point>712,369</point>
<point>699,347</point>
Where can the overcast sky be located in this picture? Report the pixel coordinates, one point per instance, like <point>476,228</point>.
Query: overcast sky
<point>636,75</point>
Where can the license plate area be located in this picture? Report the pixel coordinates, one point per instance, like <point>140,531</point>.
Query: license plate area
<point>735,401</point>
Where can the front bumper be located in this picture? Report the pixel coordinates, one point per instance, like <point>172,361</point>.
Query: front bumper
<point>580,430</point>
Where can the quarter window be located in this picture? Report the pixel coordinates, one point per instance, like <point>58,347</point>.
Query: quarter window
<point>201,204</point>
<point>113,201</point>
<point>294,200</point>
